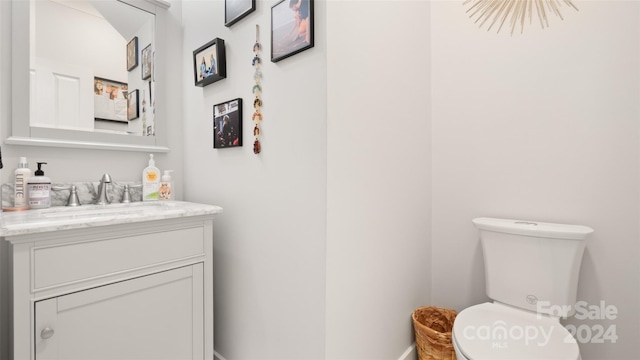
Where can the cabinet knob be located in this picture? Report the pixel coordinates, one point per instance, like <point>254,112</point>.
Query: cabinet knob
<point>46,333</point>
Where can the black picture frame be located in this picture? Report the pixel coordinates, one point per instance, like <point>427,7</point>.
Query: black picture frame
<point>133,110</point>
<point>110,100</point>
<point>235,10</point>
<point>204,73</point>
<point>227,124</point>
<point>286,40</point>
<point>147,62</point>
<point>132,53</point>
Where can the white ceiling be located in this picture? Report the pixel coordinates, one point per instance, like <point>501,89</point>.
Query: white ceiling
<point>125,18</point>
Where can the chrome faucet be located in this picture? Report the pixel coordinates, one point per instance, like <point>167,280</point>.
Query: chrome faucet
<point>103,197</point>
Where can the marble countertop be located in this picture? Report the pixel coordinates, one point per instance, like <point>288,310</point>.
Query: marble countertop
<point>65,218</point>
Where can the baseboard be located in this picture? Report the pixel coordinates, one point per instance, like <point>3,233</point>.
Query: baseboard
<point>217,356</point>
<point>410,353</point>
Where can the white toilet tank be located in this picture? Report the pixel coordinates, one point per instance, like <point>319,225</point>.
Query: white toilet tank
<point>532,265</point>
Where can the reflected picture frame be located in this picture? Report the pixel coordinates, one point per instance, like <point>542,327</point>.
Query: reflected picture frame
<point>209,63</point>
<point>147,62</point>
<point>110,100</point>
<point>133,111</point>
<point>291,28</point>
<point>132,53</point>
<point>235,10</point>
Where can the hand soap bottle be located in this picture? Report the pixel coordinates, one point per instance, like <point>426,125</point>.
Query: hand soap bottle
<point>39,189</point>
<point>150,181</point>
<point>165,186</point>
<point>22,175</point>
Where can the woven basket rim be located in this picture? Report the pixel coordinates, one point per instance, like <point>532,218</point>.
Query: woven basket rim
<point>432,344</point>
<point>428,329</point>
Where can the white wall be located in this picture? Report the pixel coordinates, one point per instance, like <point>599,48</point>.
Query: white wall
<point>98,46</point>
<point>269,244</point>
<point>344,169</point>
<point>542,126</point>
<point>379,178</point>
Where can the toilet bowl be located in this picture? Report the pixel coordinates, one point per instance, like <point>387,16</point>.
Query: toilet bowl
<point>494,331</point>
<point>531,274</point>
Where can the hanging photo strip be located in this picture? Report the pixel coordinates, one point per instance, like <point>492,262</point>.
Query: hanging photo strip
<point>257,91</point>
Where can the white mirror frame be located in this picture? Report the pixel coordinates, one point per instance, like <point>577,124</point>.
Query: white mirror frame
<point>22,133</point>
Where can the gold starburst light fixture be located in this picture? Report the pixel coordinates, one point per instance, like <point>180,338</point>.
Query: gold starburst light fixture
<point>517,11</point>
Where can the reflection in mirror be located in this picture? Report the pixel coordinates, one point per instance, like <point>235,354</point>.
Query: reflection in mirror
<point>55,67</point>
<point>79,66</point>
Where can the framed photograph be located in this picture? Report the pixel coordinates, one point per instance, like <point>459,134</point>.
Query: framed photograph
<point>132,53</point>
<point>133,112</point>
<point>227,124</point>
<point>109,100</point>
<point>209,63</point>
<point>291,28</point>
<point>234,10</point>
<point>147,62</point>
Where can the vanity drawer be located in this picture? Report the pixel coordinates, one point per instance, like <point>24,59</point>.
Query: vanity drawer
<point>68,263</point>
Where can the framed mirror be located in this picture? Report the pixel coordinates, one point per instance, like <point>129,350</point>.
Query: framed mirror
<point>73,77</point>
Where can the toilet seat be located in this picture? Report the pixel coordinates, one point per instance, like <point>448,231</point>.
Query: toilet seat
<point>494,331</point>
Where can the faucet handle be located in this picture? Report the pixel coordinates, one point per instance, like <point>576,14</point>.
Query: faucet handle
<point>126,196</point>
<point>73,199</point>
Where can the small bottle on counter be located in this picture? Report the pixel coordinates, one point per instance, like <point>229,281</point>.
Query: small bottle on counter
<point>39,189</point>
<point>22,175</point>
<point>165,185</point>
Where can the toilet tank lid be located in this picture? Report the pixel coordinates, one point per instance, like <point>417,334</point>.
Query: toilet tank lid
<point>533,228</point>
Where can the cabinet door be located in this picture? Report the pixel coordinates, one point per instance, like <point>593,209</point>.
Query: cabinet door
<point>158,316</point>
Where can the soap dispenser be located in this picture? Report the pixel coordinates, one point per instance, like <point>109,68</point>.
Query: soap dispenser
<point>165,186</point>
<point>39,189</point>
<point>150,181</point>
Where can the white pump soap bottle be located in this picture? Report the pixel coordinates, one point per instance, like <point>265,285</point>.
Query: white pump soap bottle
<point>150,181</point>
<point>39,189</point>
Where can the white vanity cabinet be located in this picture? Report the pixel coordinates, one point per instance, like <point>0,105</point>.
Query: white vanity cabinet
<point>158,316</point>
<point>140,290</point>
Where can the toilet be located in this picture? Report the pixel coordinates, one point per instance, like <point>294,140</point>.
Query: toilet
<point>531,273</point>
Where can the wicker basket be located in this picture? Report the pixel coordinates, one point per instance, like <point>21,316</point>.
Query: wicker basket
<point>433,326</point>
